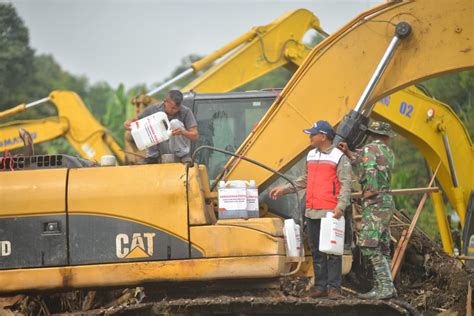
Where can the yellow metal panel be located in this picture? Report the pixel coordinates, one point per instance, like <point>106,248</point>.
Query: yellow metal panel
<point>140,272</point>
<point>159,199</point>
<point>32,192</point>
<point>230,241</point>
<point>271,226</point>
<point>198,214</point>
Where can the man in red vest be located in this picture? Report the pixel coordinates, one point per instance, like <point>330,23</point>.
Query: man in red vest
<point>328,188</point>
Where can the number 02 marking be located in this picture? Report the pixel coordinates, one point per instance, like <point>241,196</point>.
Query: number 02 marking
<point>406,109</point>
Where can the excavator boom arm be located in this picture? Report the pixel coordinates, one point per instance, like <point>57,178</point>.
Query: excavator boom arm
<point>334,75</point>
<point>266,48</point>
<point>88,137</point>
<point>42,130</point>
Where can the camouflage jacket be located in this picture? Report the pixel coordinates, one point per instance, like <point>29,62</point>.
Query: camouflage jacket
<point>372,165</point>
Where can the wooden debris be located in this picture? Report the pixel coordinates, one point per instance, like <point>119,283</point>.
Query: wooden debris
<point>396,192</point>
<point>469,300</point>
<point>403,242</point>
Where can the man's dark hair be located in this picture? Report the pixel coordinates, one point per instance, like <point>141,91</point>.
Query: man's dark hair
<point>176,96</point>
<point>331,135</point>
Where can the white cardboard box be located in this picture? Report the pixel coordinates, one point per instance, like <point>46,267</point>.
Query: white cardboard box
<point>232,202</point>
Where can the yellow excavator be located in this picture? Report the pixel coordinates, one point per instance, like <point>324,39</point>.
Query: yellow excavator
<point>74,122</point>
<point>65,226</point>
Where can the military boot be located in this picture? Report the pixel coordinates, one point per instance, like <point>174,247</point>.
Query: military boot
<point>386,289</point>
<point>383,288</point>
<point>372,292</point>
<point>389,262</point>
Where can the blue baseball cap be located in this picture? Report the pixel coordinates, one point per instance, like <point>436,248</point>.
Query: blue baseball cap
<point>322,127</point>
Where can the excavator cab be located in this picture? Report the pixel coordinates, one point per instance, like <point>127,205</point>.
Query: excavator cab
<point>224,121</point>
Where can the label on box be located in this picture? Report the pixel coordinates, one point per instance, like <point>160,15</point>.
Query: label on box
<point>252,200</point>
<point>232,199</point>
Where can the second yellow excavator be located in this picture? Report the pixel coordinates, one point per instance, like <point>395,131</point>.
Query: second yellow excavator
<point>73,121</point>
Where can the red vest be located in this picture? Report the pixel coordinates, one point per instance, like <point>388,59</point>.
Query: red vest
<point>323,186</point>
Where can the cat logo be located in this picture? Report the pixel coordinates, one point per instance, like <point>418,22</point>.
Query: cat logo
<point>5,248</point>
<point>137,248</point>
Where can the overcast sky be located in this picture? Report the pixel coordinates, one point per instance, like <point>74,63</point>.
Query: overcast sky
<point>142,41</point>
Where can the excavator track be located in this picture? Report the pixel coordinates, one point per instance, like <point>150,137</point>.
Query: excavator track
<point>284,296</point>
<point>251,304</point>
<point>207,299</point>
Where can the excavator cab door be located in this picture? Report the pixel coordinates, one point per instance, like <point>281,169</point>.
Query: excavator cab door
<point>225,120</point>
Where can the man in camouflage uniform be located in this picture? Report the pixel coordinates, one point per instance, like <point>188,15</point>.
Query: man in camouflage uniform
<point>373,164</point>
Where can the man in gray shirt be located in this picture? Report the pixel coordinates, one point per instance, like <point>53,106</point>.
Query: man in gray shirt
<point>183,130</point>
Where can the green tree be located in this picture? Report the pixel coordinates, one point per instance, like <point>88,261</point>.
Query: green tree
<point>48,76</point>
<point>411,171</point>
<point>16,57</point>
<point>116,112</point>
<point>456,90</point>
<point>97,97</point>
<point>136,90</point>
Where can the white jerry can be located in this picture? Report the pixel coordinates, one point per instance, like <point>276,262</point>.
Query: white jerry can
<point>292,234</point>
<point>151,130</point>
<point>331,237</point>
<point>252,200</point>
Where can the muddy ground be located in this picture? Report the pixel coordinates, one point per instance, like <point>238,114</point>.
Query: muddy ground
<point>429,283</point>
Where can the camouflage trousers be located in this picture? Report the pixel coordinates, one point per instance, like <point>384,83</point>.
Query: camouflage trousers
<point>374,234</point>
